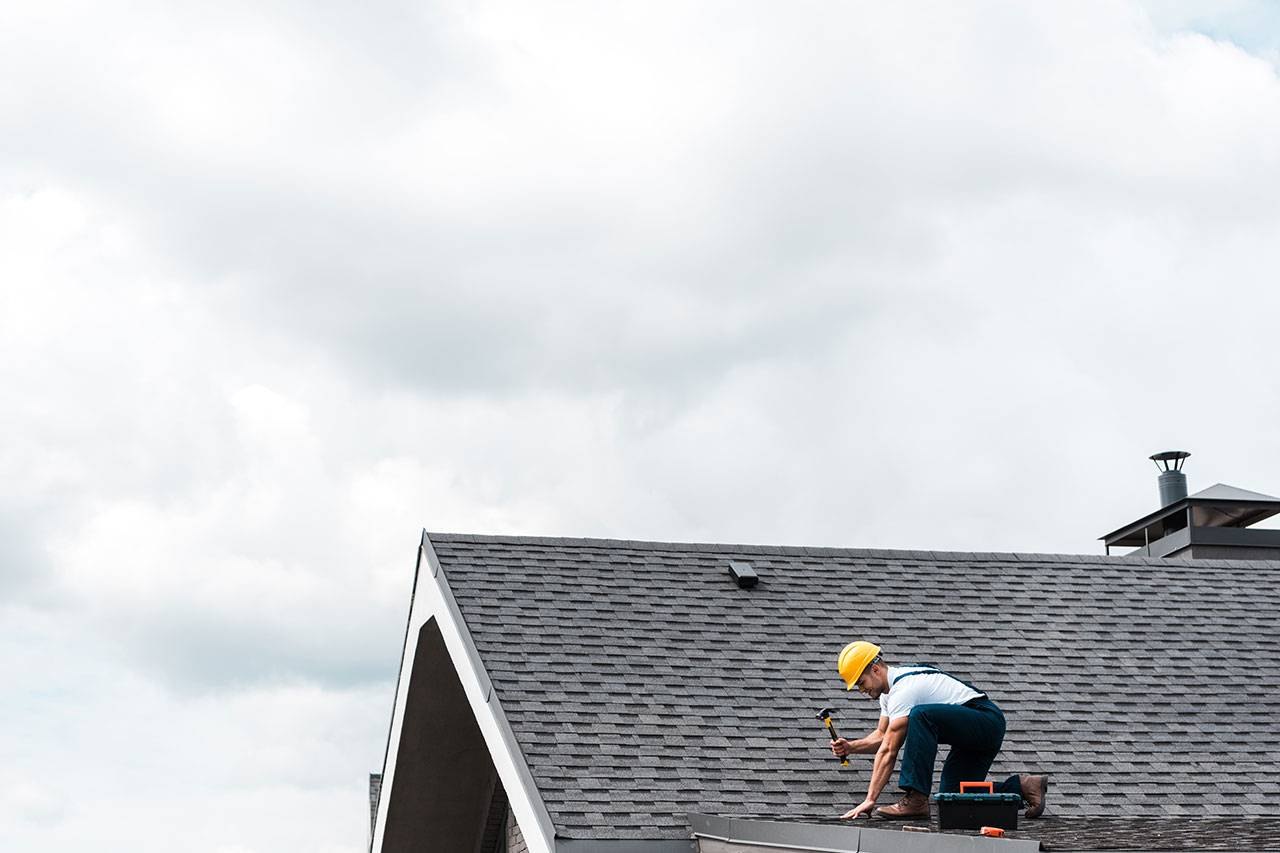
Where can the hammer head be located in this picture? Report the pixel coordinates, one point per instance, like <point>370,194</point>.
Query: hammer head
<point>824,714</point>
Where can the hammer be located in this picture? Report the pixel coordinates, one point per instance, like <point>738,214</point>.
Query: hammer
<point>825,716</point>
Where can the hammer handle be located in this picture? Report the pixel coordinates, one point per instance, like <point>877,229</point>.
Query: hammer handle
<point>831,727</point>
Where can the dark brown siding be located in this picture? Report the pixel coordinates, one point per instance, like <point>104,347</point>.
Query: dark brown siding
<point>444,779</point>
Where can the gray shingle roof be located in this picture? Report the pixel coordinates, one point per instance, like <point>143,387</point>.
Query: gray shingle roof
<point>642,684</point>
<point>1103,833</point>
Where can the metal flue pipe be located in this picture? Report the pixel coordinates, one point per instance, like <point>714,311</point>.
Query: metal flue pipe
<point>1173,483</point>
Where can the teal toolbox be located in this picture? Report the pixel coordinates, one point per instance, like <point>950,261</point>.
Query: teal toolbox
<point>975,810</point>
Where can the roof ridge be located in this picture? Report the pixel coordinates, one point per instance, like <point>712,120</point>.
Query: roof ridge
<point>819,551</point>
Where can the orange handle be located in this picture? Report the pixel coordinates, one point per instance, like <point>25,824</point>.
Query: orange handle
<point>992,831</point>
<point>970,787</point>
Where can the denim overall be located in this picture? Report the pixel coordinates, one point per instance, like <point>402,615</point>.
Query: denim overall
<point>974,730</point>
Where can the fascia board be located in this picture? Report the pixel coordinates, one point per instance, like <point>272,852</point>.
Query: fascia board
<point>432,598</point>
<point>779,834</point>
<point>785,835</point>
<point>1133,527</point>
<point>897,841</point>
<point>397,710</point>
<point>625,845</point>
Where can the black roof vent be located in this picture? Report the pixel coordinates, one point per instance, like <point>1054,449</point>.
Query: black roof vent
<point>743,574</point>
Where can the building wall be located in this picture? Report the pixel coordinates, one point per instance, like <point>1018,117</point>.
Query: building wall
<point>444,780</point>
<point>515,839</point>
<point>375,790</point>
<point>1227,552</point>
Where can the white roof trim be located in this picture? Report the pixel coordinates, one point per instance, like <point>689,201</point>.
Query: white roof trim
<point>432,598</point>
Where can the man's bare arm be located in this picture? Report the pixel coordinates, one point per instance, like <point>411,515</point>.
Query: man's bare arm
<point>865,745</point>
<point>886,757</point>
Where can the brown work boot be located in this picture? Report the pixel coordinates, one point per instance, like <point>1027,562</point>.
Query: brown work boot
<point>913,805</point>
<point>1034,790</point>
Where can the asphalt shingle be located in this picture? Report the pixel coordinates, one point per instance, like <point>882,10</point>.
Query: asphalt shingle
<point>642,684</point>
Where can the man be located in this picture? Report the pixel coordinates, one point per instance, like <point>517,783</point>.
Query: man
<point>924,706</point>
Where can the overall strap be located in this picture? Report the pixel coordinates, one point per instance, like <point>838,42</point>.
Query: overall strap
<point>926,669</point>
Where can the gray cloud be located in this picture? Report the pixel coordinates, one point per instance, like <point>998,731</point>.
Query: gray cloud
<point>284,284</point>
<point>24,569</point>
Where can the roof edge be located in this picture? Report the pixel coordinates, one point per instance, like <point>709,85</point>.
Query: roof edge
<point>433,599</point>
<point>561,542</point>
<point>1204,497</point>
<point>395,702</point>
<point>787,835</point>
<point>625,845</point>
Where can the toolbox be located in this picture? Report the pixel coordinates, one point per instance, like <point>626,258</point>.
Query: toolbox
<point>977,806</point>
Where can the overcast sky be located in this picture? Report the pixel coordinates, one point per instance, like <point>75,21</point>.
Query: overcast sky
<point>282,284</point>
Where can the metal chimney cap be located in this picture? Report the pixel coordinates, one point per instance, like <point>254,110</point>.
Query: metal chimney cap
<point>1169,460</point>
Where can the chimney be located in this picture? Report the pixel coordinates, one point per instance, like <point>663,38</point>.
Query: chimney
<point>1173,483</point>
<point>1213,524</point>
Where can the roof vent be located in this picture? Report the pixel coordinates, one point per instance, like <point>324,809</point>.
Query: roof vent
<point>1173,483</point>
<point>745,576</point>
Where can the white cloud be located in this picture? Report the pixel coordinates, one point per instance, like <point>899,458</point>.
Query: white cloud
<point>111,760</point>
<point>29,801</point>
<point>281,285</point>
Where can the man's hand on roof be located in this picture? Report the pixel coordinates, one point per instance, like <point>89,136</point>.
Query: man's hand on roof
<point>841,747</point>
<point>862,808</point>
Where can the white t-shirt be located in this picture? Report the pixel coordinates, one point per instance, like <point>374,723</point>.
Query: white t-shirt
<point>922,685</point>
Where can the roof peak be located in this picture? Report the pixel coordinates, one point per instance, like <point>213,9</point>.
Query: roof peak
<point>1223,492</point>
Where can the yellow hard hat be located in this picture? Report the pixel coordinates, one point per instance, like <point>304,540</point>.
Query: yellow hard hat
<point>854,659</point>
